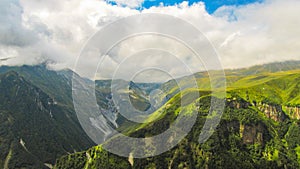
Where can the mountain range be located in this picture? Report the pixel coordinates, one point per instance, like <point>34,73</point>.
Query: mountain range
<point>259,127</point>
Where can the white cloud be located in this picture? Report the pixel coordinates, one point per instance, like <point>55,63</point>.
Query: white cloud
<point>12,32</point>
<point>268,32</point>
<point>128,3</point>
<point>34,31</point>
<point>230,38</point>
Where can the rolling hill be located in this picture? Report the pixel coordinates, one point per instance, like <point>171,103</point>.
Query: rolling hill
<point>259,127</point>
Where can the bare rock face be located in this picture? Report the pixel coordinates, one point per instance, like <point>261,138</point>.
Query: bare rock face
<point>237,104</point>
<point>252,133</point>
<point>294,112</point>
<point>273,112</point>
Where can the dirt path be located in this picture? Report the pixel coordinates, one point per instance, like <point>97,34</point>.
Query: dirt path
<point>6,162</point>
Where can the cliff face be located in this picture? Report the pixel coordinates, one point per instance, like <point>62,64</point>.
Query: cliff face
<point>273,112</point>
<point>294,112</point>
<point>279,113</point>
<point>253,133</point>
<point>237,104</point>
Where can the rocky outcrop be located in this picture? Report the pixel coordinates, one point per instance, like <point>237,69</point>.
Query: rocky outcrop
<point>273,112</point>
<point>238,104</point>
<point>294,112</point>
<point>253,133</point>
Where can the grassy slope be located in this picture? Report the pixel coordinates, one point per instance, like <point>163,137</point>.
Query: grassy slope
<point>225,148</point>
<point>25,114</point>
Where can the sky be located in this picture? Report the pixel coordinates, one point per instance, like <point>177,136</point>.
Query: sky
<point>210,5</point>
<point>243,32</point>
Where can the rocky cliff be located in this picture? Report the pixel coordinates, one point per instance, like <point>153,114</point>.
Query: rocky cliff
<point>294,112</point>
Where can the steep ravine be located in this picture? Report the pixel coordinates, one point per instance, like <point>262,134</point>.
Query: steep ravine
<point>248,136</point>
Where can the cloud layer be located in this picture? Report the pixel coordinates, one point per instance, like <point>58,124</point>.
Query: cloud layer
<point>34,31</point>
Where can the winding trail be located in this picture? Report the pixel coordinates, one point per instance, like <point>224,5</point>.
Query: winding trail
<point>8,157</point>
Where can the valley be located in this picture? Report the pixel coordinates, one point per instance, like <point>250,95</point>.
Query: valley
<point>259,126</point>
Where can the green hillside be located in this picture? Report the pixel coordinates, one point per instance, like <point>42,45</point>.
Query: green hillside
<point>36,126</point>
<point>259,127</point>
<point>245,138</point>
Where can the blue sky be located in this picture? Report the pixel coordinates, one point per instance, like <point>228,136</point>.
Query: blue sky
<point>211,5</point>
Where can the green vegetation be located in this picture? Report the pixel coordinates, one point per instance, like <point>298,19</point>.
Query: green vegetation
<point>94,158</point>
<point>259,128</point>
<point>243,139</point>
<point>35,127</point>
